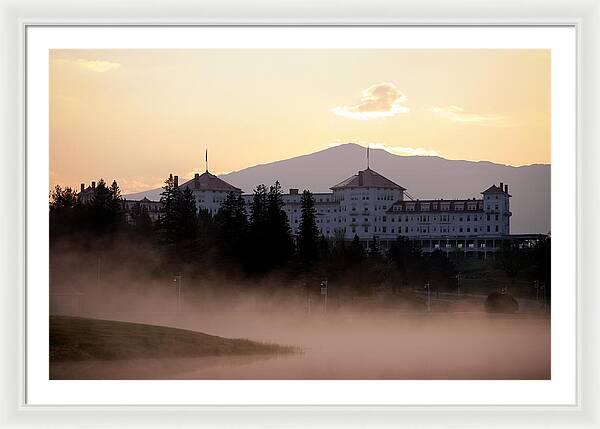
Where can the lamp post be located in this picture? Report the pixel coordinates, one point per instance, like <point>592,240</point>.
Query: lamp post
<point>324,291</point>
<point>177,279</point>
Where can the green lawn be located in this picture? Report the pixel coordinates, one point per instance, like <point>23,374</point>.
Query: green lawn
<point>79,339</point>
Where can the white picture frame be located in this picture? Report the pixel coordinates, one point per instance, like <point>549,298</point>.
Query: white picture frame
<point>584,16</point>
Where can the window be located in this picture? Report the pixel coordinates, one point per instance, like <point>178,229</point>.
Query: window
<point>488,228</point>
<point>366,229</point>
<point>496,217</point>
<point>384,229</point>
<point>496,228</point>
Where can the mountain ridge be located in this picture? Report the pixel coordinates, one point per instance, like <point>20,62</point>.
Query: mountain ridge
<point>425,177</point>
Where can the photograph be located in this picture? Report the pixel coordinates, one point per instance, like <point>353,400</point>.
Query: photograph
<point>299,214</point>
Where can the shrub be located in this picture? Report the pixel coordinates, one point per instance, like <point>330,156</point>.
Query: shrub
<point>501,303</point>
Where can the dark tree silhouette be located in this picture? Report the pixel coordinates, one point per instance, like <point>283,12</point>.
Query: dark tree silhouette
<point>308,233</point>
<point>232,224</point>
<point>512,260</point>
<point>105,207</point>
<point>279,241</point>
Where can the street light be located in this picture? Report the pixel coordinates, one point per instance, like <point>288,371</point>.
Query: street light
<point>177,279</point>
<point>324,292</point>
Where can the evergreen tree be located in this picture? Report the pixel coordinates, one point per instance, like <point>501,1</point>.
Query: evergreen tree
<point>512,260</point>
<point>168,212</point>
<point>258,214</point>
<point>63,211</point>
<point>308,236</point>
<point>356,253</point>
<point>105,207</point>
<point>279,240</point>
<point>141,219</point>
<point>407,256</point>
<point>257,259</point>
<point>185,214</point>
<point>62,199</point>
<point>232,224</point>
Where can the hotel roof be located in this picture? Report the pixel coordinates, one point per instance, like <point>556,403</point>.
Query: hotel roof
<point>208,181</point>
<point>367,179</point>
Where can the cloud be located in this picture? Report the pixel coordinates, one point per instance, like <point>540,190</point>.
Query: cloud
<point>382,100</point>
<point>457,114</point>
<point>132,186</point>
<point>395,150</point>
<point>405,150</point>
<point>98,66</point>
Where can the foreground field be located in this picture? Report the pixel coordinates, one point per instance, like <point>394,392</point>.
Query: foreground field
<point>81,339</point>
<point>366,345</point>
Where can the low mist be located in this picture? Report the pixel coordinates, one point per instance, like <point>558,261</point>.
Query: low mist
<point>380,336</point>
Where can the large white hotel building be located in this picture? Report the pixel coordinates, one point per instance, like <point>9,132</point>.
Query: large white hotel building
<point>374,208</point>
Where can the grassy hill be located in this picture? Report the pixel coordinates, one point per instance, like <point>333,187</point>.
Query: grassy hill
<point>79,339</point>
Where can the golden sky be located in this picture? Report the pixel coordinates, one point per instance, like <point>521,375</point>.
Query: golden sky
<point>138,115</point>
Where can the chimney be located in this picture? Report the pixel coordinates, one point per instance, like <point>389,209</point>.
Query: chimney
<point>360,178</point>
<point>293,191</point>
<point>196,180</point>
<point>501,186</point>
<point>176,181</point>
<point>82,187</point>
<point>93,185</point>
<point>506,188</point>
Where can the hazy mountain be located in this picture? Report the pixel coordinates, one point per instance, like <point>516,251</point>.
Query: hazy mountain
<point>423,176</point>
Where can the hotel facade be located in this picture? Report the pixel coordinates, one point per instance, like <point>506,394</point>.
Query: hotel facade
<point>374,208</point>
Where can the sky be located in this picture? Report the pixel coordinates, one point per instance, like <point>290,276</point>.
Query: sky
<point>138,115</point>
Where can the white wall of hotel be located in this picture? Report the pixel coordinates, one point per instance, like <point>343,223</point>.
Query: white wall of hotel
<point>373,207</point>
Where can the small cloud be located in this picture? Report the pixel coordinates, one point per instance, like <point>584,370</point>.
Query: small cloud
<point>98,66</point>
<point>405,150</point>
<point>458,114</point>
<point>382,100</point>
<point>132,186</point>
<point>395,150</point>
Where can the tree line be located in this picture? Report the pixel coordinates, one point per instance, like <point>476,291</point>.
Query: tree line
<point>255,240</point>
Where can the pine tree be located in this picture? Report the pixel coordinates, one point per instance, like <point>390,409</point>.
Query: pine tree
<point>258,258</point>
<point>105,207</point>
<point>279,240</point>
<point>168,215</point>
<point>185,214</point>
<point>356,252</point>
<point>233,227</point>
<point>62,199</point>
<point>63,210</point>
<point>308,235</point>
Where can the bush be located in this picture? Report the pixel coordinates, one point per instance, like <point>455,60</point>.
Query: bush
<point>501,303</point>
